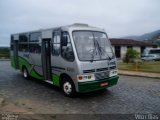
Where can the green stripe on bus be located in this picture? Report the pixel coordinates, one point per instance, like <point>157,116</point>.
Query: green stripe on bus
<point>55,79</point>
<point>33,73</point>
<point>96,85</point>
<point>36,75</point>
<point>22,62</point>
<point>13,62</point>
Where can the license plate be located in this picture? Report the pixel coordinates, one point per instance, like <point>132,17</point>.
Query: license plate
<point>104,84</point>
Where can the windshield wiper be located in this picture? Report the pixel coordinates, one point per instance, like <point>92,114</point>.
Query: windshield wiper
<point>93,55</point>
<point>102,51</point>
<point>105,53</point>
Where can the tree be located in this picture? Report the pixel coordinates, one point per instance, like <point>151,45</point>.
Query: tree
<point>131,55</point>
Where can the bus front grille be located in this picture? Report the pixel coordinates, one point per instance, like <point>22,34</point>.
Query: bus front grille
<point>101,69</point>
<point>112,67</point>
<point>102,75</point>
<point>97,70</point>
<point>89,71</point>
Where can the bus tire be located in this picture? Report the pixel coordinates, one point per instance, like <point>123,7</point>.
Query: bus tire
<point>25,73</point>
<point>68,87</point>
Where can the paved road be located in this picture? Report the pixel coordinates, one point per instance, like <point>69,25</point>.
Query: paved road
<point>131,95</point>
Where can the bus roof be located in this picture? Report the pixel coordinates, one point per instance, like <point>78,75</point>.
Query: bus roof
<point>75,26</point>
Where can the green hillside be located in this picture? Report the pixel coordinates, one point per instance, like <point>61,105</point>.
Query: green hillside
<point>152,37</point>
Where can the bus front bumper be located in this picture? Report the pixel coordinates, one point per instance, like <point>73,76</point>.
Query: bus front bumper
<point>97,84</point>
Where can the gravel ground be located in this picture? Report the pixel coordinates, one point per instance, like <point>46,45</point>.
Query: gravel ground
<point>131,95</point>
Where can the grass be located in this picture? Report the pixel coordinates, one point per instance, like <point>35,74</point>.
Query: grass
<point>4,53</point>
<point>147,66</point>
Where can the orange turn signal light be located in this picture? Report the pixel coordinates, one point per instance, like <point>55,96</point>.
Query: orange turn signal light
<point>80,77</point>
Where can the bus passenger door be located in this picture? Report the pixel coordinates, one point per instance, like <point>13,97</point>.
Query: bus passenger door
<point>46,58</point>
<point>15,54</point>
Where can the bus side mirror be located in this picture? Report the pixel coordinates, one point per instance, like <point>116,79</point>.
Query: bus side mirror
<point>64,40</point>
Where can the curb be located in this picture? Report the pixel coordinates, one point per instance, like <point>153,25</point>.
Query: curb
<point>139,74</point>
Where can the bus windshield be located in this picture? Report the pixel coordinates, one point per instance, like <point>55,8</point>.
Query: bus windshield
<point>92,46</point>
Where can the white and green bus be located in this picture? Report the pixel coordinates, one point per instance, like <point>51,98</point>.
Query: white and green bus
<point>77,58</point>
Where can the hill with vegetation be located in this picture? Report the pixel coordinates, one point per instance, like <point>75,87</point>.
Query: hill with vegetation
<point>152,37</point>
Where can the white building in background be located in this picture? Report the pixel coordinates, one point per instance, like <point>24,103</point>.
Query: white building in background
<point>120,46</point>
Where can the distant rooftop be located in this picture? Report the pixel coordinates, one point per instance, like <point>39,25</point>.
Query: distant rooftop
<point>129,42</point>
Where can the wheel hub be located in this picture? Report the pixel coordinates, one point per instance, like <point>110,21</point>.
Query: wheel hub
<point>67,87</point>
<point>25,73</point>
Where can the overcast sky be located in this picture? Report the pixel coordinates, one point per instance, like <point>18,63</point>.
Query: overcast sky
<point>118,17</point>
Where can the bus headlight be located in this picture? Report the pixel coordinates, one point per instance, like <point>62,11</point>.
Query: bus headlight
<point>113,73</point>
<point>86,77</point>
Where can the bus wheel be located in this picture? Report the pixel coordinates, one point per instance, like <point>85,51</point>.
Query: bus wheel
<point>25,73</point>
<point>68,87</point>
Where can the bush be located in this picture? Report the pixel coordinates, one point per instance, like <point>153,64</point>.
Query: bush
<point>131,55</point>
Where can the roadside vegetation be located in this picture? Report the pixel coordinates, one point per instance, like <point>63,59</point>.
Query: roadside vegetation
<point>132,62</point>
<point>145,66</point>
<point>4,53</point>
<point>131,56</point>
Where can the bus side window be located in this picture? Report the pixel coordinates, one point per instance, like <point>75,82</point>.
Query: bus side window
<point>67,51</point>
<point>23,47</point>
<point>23,42</point>
<point>56,44</point>
<point>23,38</point>
<point>34,48</point>
<point>34,42</point>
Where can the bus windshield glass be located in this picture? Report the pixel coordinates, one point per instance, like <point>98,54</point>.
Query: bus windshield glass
<point>92,46</point>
